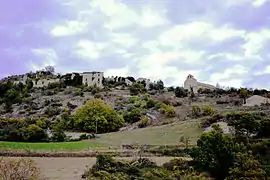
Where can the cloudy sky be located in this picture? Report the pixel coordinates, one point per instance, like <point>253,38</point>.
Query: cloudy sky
<point>224,41</point>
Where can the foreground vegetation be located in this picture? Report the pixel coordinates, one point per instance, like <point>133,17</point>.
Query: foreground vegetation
<point>21,169</point>
<point>244,154</point>
<point>52,146</point>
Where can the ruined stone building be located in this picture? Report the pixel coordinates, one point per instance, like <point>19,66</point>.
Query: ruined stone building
<point>21,80</point>
<point>147,82</point>
<point>92,78</point>
<point>44,82</point>
<point>192,83</point>
<point>119,79</point>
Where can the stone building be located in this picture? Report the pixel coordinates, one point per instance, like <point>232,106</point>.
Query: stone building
<point>120,79</point>
<point>21,80</point>
<point>192,83</point>
<point>147,82</point>
<point>44,82</point>
<point>92,78</point>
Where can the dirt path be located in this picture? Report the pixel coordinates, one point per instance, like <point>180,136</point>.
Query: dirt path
<point>72,168</point>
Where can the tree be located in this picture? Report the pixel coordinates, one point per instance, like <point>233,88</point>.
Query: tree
<point>243,94</point>
<point>34,133</point>
<point>264,130</point>
<point>132,79</point>
<point>215,154</point>
<point>11,96</point>
<point>136,89</point>
<point>97,116</point>
<point>50,69</point>
<point>160,85</point>
<point>180,92</point>
<point>171,89</point>
<point>58,134</point>
<point>246,167</point>
<point>245,124</point>
<point>29,84</point>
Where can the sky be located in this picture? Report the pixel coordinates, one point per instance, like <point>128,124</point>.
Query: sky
<point>225,42</point>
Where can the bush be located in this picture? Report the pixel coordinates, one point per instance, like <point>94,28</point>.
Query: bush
<point>50,111</point>
<point>222,102</point>
<point>71,106</point>
<point>176,103</point>
<point>79,92</point>
<point>49,92</point>
<point>33,130</point>
<point>150,103</point>
<point>143,122</point>
<point>58,134</point>
<point>136,89</point>
<point>170,89</point>
<point>21,169</point>
<point>166,101</point>
<point>133,116</point>
<point>168,111</point>
<point>98,96</point>
<point>180,92</point>
<point>196,111</point>
<point>208,110</point>
<point>34,133</point>
<point>211,120</point>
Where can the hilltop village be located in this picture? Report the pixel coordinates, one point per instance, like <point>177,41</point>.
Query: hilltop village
<point>47,76</point>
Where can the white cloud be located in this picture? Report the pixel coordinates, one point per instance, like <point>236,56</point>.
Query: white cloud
<point>71,28</point>
<point>259,2</point>
<point>255,3</point>
<point>230,77</point>
<point>89,50</point>
<point>123,39</point>
<point>48,57</point>
<point>266,70</point>
<point>117,72</point>
<point>255,42</point>
<point>150,18</point>
<point>178,35</point>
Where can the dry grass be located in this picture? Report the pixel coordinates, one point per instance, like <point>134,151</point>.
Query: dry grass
<point>20,169</point>
<point>169,134</point>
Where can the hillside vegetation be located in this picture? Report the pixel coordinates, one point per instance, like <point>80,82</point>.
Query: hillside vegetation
<point>166,121</point>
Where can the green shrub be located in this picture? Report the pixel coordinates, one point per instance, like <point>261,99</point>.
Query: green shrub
<point>133,99</point>
<point>143,122</point>
<point>50,111</point>
<point>208,110</point>
<point>143,104</point>
<point>150,103</point>
<point>180,92</point>
<point>211,120</point>
<point>196,111</point>
<point>58,134</point>
<point>79,92</point>
<point>136,89</point>
<point>168,110</point>
<point>133,116</point>
<point>98,96</point>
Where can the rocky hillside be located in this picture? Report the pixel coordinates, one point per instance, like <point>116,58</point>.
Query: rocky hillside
<point>158,105</point>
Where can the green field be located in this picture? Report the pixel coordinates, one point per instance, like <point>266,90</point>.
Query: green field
<point>169,134</point>
<point>52,146</point>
